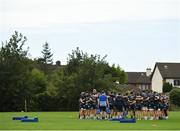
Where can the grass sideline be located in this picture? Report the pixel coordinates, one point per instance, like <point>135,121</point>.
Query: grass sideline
<point>69,121</point>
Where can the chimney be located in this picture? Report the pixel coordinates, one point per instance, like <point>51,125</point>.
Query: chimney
<point>148,71</point>
<point>58,63</point>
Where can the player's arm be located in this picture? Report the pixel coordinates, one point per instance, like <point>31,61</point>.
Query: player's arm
<point>130,102</point>
<point>134,101</point>
<point>81,100</point>
<point>90,99</point>
<point>98,103</point>
<point>107,103</point>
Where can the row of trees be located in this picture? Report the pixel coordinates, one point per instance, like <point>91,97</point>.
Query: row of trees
<point>46,87</point>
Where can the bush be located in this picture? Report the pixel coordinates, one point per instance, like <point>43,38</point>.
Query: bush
<point>175,97</point>
<point>167,87</point>
<point>174,107</point>
<point>45,102</point>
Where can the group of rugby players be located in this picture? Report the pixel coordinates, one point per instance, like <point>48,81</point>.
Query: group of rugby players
<point>146,105</point>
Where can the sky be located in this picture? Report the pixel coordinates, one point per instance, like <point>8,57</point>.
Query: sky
<point>132,33</point>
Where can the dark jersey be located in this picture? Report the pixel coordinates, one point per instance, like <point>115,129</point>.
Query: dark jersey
<point>111,99</point>
<point>119,100</point>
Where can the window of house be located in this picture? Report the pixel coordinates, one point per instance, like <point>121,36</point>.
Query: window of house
<point>143,87</point>
<point>176,82</point>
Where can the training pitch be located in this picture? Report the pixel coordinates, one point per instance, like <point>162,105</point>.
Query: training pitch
<point>70,121</point>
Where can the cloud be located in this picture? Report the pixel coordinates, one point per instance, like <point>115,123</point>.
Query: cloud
<point>42,13</point>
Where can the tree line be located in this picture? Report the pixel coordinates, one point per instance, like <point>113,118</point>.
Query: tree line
<point>38,85</point>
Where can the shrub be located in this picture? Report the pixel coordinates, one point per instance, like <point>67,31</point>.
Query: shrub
<point>175,96</point>
<point>167,87</point>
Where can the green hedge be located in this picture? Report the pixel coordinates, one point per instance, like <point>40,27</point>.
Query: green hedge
<point>167,87</point>
<point>175,99</point>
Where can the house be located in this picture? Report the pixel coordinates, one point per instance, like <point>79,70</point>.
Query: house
<point>142,80</point>
<point>165,73</point>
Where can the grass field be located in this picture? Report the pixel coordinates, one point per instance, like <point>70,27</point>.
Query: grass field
<point>70,121</point>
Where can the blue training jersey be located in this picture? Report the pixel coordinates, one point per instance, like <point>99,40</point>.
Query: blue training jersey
<point>102,100</point>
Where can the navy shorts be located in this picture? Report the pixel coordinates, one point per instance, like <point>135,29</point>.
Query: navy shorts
<point>82,106</point>
<point>119,107</point>
<point>132,107</point>
<point>87,106</point>
<point>111,106</point>
<point>102,108</point>
<point>93,106</point>
<point>138,107</point>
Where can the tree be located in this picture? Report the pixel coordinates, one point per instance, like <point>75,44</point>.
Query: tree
<point>175,97</point>
<point>38,81</point>
<point>37,86</point>
<point>14,71</point>
<point>47,55</point>
<point>83,72</point>
<point>46,60</point>
<point>167,87</point>
<point>118,74</point>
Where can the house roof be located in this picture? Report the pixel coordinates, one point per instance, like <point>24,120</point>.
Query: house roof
<point>138,78</point>
<point>168,70</point>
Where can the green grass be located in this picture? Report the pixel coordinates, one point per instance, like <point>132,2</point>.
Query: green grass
<point>70,121</point>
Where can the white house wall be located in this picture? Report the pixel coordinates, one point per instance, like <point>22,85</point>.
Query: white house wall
<point>171,81</point>
<point>157,81</point>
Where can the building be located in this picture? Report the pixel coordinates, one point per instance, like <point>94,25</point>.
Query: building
<point>165,73</point>
<point>142,80</point>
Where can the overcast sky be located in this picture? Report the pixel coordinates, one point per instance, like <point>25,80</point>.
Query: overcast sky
<point>133,33</point>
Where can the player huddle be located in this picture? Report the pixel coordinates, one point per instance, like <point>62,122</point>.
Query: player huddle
<point>142,106</point>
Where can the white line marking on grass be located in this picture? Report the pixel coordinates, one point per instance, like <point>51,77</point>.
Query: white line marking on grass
<point>90,130</point>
